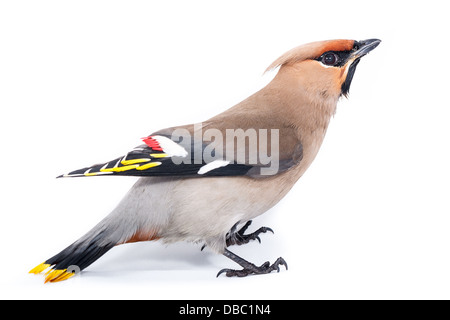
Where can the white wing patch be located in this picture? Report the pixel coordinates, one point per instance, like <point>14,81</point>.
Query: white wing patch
<point>172,149</point>
<point>213,165</point>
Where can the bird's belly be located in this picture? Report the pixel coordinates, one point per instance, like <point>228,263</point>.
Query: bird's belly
<point>206,209</point>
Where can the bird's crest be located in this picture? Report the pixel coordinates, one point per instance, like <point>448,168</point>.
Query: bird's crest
<point>311,51</point>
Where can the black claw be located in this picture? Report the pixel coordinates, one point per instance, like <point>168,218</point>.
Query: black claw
<point>281,261</point>
<point>234,273</point>
<point>222,271</point>
<point>239,238</point>
<point>249,268</point>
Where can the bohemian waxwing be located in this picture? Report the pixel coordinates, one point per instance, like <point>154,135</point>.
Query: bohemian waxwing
<point>205,182</point>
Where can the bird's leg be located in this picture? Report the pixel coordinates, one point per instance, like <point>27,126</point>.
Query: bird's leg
<point>250,268</point>
<point>239,238</point>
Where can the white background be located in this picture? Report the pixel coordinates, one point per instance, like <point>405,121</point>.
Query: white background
<point>82,81</point>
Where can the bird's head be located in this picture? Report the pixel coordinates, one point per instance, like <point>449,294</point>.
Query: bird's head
<point>325,67</point>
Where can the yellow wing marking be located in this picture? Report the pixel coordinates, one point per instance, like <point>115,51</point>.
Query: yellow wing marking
<point>159,155</point>
<point>148,165</point>
<point>120,169</point>
<point>134,161</point>
<point>91,174</point>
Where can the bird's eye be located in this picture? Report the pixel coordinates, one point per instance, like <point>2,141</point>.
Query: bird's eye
<point>330,59</point>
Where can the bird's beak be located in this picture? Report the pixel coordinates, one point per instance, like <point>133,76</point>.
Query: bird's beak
<point>364,47</point>
<point>361,49</point>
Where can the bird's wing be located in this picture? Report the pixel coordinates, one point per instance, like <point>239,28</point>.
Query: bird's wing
<point>165,155</point>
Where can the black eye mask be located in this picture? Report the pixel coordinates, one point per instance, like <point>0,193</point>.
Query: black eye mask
<point>334,58</point>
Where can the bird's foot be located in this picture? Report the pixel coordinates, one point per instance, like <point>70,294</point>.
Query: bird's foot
<point>252,269</point>
<point>239,238</point>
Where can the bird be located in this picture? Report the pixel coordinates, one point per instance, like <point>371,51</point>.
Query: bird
<point>205,182</point>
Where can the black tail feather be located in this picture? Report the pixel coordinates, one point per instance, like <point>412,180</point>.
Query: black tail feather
<point>80,254</point>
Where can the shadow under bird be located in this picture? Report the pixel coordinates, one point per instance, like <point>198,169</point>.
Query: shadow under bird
<point>182,195</point>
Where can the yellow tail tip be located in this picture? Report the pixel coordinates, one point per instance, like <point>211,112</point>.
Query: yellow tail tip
<point>39,268</point>
<point>52,275</point>
<point>58,275</point>
<point>64,276</point>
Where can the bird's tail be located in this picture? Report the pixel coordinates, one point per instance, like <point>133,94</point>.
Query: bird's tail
<point>77,256</point>
<point>124,224</point>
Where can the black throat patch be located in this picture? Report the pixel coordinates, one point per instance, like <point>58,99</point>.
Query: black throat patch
<point>345,88</point>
